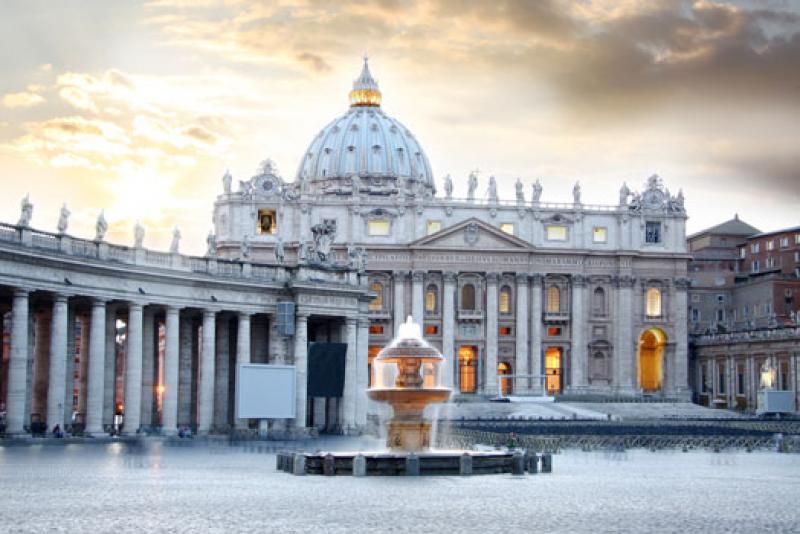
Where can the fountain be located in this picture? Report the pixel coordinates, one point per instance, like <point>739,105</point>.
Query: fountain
<point>408,375</point>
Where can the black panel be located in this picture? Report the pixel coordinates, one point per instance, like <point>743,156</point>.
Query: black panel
<point>326,363</point>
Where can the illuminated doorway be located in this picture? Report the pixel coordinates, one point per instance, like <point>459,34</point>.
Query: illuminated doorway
<point>506,384</point>
<point>651,359</point>
<point>552,370</point>
<point>372,352</point>
<point>467,362</point>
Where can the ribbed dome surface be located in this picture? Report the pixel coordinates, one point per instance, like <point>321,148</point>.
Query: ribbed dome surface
<point>365,142</point>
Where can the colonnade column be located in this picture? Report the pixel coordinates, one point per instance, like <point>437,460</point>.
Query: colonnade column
<point>681,383</point>
<point>536,335</point>
<point>110,386</point>
<point>242,352</point>
<point>169,408</point>
<point>624,347</point>
<point>221,370</point>
<point>579,363</point>
<point>448,329</point>
<point>490,386</point>
<point>205,409</point>
<point>399,281</point>
<point>301,367</point>
<point>350,375</point>
<point>362,379</point>
<point>148,365</point>
<point>97,369</point>
<point>133,370</point>
<point>17,364</point>
<point>56,387</point>
<point>418,297</point>
<point>522,352</point>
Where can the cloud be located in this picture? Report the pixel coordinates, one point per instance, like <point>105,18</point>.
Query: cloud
<point>22,100</point>
<point>314,61</point>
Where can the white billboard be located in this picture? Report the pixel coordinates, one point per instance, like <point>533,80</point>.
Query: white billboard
<point>265,391</point>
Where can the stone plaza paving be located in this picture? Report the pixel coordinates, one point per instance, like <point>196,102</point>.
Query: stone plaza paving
<point>201,488</point>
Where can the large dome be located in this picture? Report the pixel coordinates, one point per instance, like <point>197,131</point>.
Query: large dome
<point>368,144</point>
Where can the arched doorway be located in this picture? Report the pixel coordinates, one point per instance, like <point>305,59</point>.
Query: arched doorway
<point>506,384</point>
<point>467,361</point>
<point>552,370</point>
<point>651,359</point>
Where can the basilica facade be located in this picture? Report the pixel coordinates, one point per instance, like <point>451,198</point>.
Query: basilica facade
<point>522,296</point>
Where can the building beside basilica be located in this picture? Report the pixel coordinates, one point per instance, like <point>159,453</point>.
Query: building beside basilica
<point>522,296</point>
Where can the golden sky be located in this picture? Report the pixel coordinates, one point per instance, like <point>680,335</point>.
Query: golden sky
<point>138,108</point>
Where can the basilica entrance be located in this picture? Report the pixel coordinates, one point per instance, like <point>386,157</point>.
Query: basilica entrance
<point>651,359</point>
<point>506,384</point>
<point>552,370</point>
<point>467,363</point>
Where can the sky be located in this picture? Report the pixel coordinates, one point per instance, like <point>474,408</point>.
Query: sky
<point>138,108</point>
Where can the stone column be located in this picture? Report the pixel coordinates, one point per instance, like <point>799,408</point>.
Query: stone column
<point>205,394</point>
<point>17,364</point>
<point>169,408</point>
<point>133,370</point>
<point>186,371</point>
<point>41,361</point>
<point>148,366</point>
<point>110,384</point>
<point>399,278</point>
<point>243,351</point>
<point>418,298</point>
<point>57,384</point>
<point>301,367</point>
<point>625,357</point>
<point>97,369</point>
<point>490,387</point>
<point>221,366</point>
<point>83,363</point>
<point>448,329</point>
<point>522,322</point>
<point>362,380</point>
<point>350,376</point>
<point>537,385</point>
<point>580,362</point>
<point>680,310</point>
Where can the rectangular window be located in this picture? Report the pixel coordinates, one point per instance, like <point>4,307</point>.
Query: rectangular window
<point>695,315</point>
<point>378,227</point>
<point>599,234</point>
<point>507,228</point>
<point>505,330</point>
<point>431,329</point>
<point>720,316</point>
<point>754,266</point>
<point>434,226</point>
<point>770,244</point>
<point>769,262</point>
<point>739,379</point>
<point>742,252</point>
<point>652,232</point>
<point>556,232</point>
<point>721,371</point>
<point>720,299</point>
<point>797,239</point>
<point>553,331</point>
<point>797,256</point>
<point>754,248</point>
<point>267,222</point>
<point>375,329</point>
<point>784,242</point>
<point>695,297</point>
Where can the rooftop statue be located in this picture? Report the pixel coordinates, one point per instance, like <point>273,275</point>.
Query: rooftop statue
<point>138,235</point>
<point>492,191</point>
<point>520,193</point>
<point>537,191</point>
<point>211,245</point>
<point>176,240</point>
<point>472,185</point>
<point>100,227</point>
<point>226,182</point>
<point>324,235</point>
<point>624,193</point>
<point>63,219</point>
<point>576,193</point>
<point>26,209</point>
<point>280,253</point>
<point>448,187</point>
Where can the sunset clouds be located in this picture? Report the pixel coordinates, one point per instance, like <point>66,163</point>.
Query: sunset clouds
<point>705,93</point>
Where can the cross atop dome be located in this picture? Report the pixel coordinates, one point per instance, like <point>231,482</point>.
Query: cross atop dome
<point>365,89</point>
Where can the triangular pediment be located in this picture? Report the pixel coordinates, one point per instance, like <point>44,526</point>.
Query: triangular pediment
<point>472,233</point>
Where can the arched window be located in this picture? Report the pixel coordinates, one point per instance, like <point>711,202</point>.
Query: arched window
<point>468,297</point>
<point>653,302</point>
<point>377,303</point>
<point>599,301</point>
<point>553,299</point>
<point>431,295</point>
<point>505,300</point>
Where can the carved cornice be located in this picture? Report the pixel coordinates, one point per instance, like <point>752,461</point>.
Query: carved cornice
<point>522,278</point>
<point>400,275</point>
<point>682,284</point>
<point>578,280</point>
<point>492,278</point>
<point>450,277</point>
<point>537,279</point>
<point>624,281</point>
<point>418,276</point>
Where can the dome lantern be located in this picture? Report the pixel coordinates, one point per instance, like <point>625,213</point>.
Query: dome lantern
<point>365,89</point>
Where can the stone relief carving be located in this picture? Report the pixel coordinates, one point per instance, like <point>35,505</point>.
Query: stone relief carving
<point>324,234</point>
<point>63,219</point>
<point>471,233</point>
<point>656,197</point>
